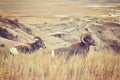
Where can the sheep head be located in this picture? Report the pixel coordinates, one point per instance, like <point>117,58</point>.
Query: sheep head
<point>87,39</point>
<point>39,43</point>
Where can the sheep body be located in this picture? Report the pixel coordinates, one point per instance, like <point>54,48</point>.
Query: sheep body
<point>28,47</point>
<point>81,47</point>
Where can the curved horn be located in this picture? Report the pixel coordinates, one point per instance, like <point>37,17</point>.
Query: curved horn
<point>37,38</point>
<point>83,36</point>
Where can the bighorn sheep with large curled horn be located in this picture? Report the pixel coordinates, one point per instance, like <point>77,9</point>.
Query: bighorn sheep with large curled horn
<point>28,47</point>
<point>81,47</point>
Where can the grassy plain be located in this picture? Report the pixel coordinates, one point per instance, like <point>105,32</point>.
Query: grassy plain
<point>40,66</point>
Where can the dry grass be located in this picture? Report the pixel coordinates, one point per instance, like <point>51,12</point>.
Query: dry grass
<point>40,66</point>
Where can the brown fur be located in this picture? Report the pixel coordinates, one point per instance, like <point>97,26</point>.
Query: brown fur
<point>74,49</point>
<point>78,48</point>
<point>30,47</point>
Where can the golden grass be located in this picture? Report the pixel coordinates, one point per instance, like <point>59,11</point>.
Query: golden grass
<point>40,66</point>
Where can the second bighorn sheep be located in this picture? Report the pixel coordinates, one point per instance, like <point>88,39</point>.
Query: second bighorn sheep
<point>81,47</point>
<point>28,47</point>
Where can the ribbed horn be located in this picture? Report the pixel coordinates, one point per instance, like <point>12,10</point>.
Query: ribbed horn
<point>38,38</point>
<point>83,36</point>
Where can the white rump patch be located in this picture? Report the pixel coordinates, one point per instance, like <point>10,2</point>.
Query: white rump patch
<point>14,51</point>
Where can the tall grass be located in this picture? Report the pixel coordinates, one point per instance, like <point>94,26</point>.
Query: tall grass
<point>40,66</point>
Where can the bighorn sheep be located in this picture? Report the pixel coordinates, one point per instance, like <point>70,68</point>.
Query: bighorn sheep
<point>78,48</point>
<point>28,47</point>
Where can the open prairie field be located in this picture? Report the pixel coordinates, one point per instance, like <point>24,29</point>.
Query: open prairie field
<point>59,24</point>
<point>39,66</point>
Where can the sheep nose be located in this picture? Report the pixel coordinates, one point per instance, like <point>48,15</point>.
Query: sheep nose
<point>94,44</point>
<point>44,47</point>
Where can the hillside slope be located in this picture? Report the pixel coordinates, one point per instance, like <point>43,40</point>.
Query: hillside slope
<point>64,33</point>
